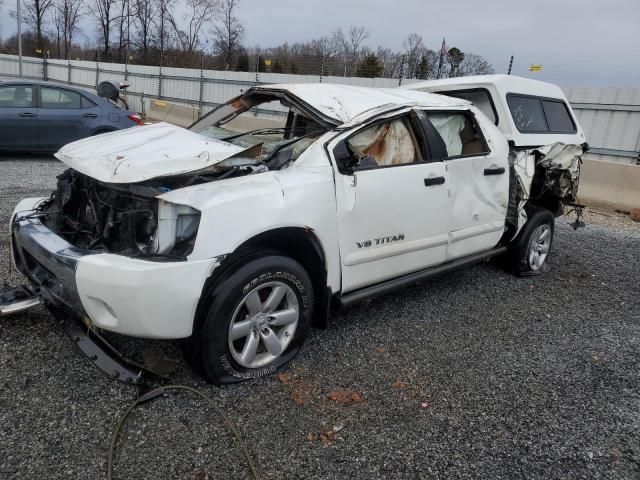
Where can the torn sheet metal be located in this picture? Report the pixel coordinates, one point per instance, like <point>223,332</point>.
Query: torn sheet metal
<point>146,152</point>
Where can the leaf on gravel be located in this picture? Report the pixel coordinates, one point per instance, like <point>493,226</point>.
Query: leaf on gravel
<point>300,390</point>
<point>327,436</point>
<point>424,405</point>
<point>201,475</point>
<point>309,437</point>
<point>399,385</point>
<point>345,396</point>
<point>380,349</point>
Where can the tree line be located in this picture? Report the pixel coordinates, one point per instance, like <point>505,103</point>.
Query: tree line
<point>209,34</point>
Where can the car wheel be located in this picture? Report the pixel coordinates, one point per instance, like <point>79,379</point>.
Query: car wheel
<point>252,321</point>
<point>529,252</point>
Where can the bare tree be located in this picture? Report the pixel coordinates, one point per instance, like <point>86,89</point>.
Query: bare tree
<point>144,14</point>
<point>198,14</point>
<point>160,22</point>
<point>324,47</point>
<point>105,14</point>
<point>414,49</point>
<point>356,35</point>
<point>123,26</point>
<point>35,16</point>
<point>66,17</point>
<point>474,65</point>
<point>228,32</point>
<point>349,45</point>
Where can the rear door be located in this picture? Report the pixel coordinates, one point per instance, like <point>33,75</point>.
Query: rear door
<point>393,206</point>
<point>65,116</point>
<point>478,169</point>
<point>18,117</point>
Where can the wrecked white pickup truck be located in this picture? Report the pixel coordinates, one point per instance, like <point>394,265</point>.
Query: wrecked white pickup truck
<point>284,204</point>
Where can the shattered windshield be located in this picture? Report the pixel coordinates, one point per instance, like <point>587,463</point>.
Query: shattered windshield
<point>268,122</point>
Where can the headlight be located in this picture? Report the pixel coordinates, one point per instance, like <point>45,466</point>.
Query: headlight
<point>177,228</point>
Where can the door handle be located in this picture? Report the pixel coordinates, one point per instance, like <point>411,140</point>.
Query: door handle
<point>26,114</point>
<point>89,115</point>
<point>429,182</point>
<point>494,171</point>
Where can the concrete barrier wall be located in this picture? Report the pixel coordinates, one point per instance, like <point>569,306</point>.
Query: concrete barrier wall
<point>609,185</point>
<point>163,111</point>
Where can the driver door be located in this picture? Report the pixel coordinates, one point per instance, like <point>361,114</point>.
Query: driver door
<point>393,203</point>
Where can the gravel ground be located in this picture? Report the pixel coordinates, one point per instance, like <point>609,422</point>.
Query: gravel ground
<point>477,374</point>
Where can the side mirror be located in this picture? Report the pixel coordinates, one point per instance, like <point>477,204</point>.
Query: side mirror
<point>345,160</point>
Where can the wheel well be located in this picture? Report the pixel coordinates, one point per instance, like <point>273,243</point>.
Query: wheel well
<point>554,205</point>
<point>303,246</point>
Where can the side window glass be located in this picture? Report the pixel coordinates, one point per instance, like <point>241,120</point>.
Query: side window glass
<point>86,103</point>
<point>58,98</point>
<point>385,144</point>
<point>527,114</point>
<point>558,117</point>
<point>480,98</point>
<point>16,96</point>
<point>458,132</point>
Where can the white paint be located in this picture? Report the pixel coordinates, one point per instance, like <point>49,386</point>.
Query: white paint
<point>431,225</point>
<point>346,103</point>
<point>141,298</point>
<point>499,86</point>
<point>141,153</point>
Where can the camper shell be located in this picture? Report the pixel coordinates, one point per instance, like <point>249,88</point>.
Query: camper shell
<point>529,113</point>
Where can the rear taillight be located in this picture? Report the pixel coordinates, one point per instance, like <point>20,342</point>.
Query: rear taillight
<point>136,118</point>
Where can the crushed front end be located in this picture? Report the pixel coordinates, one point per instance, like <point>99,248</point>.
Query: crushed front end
<point>115,256</point>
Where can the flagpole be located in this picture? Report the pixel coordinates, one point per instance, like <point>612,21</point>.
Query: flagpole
<point>19,16</point>
<point>444,45</point>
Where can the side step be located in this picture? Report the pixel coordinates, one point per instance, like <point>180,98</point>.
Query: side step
<point>18,299</point>
<point>389,286</point>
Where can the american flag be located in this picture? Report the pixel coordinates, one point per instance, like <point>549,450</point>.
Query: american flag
<point>444,50</point>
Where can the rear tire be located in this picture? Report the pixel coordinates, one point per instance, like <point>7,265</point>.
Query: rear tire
<point>528,253</point>
<point>251,321</point>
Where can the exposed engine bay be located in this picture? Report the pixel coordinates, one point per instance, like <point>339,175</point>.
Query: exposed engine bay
<point>127,219</point>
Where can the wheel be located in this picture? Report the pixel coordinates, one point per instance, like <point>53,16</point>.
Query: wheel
<point>252,321</point>
<point>528,253</point>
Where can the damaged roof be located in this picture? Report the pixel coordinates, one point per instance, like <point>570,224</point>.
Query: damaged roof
<point>345,103</point>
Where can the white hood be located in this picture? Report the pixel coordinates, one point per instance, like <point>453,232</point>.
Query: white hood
<point>141,153</point>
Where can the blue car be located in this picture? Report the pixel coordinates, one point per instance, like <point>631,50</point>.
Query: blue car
<point>44,116</point>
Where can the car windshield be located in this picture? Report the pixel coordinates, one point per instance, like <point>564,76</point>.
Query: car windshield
<point>267,122</point>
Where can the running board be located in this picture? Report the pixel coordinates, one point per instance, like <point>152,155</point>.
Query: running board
<point>389,286</point>
<point>18,299</point>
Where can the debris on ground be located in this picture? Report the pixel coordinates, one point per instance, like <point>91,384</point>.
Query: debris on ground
<point>326,436</point>
<point>345,396</point>
<point>300,389</point>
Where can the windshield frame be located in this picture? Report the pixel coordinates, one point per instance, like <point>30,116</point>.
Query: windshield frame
<point>252,98</point>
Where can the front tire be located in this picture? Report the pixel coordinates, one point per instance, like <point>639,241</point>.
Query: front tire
<point>252,321</point>
<point>529,251</point>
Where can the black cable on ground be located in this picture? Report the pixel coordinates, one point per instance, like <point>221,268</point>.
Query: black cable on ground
<point>159,391</point>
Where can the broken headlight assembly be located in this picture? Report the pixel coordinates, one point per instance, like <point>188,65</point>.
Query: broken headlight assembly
<point>176,230</point>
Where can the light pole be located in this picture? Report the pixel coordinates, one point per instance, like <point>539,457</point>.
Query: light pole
<point>19,38</point>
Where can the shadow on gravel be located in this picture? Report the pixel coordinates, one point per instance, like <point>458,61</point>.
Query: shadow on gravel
<point>25,156</point>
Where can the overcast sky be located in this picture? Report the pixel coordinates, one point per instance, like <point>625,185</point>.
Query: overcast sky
<point>578,42</point>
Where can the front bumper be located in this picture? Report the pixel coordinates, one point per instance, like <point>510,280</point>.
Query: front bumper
<point>125,295</point>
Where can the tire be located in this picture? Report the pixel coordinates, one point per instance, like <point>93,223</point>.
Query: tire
<point>264,306</point>
<point>528,253</point>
